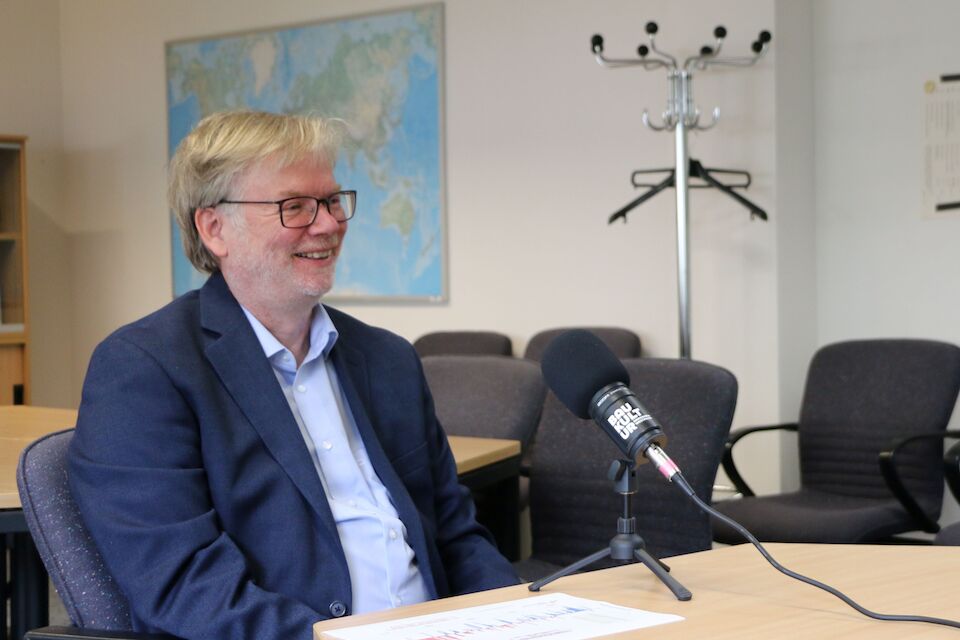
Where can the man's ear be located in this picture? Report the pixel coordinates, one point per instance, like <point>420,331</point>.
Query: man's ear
<point>209,223</point>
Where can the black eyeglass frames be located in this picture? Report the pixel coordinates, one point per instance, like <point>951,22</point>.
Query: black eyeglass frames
<point>301,211</point>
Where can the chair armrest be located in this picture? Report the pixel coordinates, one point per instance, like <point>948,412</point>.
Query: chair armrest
<point>735,436</point>
<point>75,633</point>
<point>951,469</point>
<point>888,468</point>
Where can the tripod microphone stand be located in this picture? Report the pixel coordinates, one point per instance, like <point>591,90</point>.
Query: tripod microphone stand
<point>627,545</point>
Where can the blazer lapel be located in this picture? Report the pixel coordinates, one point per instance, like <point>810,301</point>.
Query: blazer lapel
<point>352,373</point>
<point>238,359</point>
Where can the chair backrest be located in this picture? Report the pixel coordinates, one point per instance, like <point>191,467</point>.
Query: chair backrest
<point>91,597</point>
<point>622,342</point>
<point>486,396</point>
<point>573,506</point>
<point>859,397</point>
<point>474,343</point>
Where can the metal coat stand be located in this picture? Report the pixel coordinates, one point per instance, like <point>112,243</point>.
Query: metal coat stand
<point>680,116</point>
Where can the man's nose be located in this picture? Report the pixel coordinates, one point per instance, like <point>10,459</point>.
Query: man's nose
<point>324,223</point>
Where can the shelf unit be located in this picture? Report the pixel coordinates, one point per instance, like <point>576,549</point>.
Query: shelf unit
<point>14,316</point>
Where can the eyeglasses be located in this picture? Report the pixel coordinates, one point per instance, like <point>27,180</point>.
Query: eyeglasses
<point>301,211</point>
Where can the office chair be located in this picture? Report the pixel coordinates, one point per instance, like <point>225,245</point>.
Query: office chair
<point>573,505</point>
<point>463,343</point>
<point>492,397</point>
<point>950,535</point>
<point>94,602</point>
<point>622,342</point>
<point>486,396</point>
<point>871,426</point>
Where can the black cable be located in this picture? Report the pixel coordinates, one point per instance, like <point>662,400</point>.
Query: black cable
<point>684,486</point>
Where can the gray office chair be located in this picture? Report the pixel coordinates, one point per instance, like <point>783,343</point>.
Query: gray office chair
<point>492,397</point>
<point>871,430</point>
<point>573,506</point>
<point>950,535</point>
<point>486,396</point>
<point>622,342</point>
<point>463,343</point>
<point>92,599</point>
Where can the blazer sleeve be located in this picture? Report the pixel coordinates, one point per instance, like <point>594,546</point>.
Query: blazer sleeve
<point>470,559</point>
<point>136,472</point>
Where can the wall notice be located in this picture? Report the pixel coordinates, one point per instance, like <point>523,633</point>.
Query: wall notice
<point>941,189</point>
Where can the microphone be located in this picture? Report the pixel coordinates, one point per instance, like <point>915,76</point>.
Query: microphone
<point>592,383</point>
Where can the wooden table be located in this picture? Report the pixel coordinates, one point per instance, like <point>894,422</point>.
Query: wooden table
<point>490,468</point>
<point>19,426</point>
<point>27,594</point>
<point>472,454</point>
<point>737,595</point>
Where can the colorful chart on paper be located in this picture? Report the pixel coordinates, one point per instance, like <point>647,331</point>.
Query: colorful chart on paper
<point>381,73</point>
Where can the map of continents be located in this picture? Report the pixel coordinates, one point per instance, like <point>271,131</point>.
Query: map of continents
<point>380,73</point>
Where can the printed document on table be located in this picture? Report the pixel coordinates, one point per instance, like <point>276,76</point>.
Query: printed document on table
<point>557,616</point>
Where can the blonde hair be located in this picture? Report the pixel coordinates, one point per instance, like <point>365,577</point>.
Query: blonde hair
<point>222,146</point>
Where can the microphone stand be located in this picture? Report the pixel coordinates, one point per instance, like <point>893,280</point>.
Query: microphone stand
<point>627,545</point>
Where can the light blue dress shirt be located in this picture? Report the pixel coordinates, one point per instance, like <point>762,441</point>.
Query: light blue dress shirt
<point>383,570</point>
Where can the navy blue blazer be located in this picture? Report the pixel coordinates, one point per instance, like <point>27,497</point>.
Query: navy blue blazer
<point>193,478</point>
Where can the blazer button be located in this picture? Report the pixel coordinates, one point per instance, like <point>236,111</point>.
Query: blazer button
<point>337,609</point>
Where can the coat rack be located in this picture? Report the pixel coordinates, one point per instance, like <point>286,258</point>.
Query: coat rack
<point>681,115</point>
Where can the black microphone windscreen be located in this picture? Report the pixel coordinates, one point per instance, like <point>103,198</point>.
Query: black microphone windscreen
<point>576,364</point>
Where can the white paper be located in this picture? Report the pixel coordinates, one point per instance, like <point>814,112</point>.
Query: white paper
<point>941,192</point>
<point>556,616</point>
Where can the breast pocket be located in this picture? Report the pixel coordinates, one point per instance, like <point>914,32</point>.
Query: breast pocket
<point>411,461</point>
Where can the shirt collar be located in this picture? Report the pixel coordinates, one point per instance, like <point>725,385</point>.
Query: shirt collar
<point>323,335</point>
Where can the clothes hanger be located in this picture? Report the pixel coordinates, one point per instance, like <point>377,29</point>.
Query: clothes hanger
<point>696,170</point>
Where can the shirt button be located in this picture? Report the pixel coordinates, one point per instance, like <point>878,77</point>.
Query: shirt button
<point>337,609</point>
<point>302,388</point>
<point>326,444</point>
<point>352,503</point>
<point>393,534</point>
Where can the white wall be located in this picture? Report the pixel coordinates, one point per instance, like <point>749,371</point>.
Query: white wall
<point>540,145</point>
<point>796,228</point>
<point>31,106</point>
<point>883,270</point>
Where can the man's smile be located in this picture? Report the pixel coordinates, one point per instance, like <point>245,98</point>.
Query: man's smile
<point>315,255</point>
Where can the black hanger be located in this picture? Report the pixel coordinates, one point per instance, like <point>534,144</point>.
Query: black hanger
<point>697,170</point>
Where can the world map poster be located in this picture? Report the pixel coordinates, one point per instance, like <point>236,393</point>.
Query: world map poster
<point>380,73</point>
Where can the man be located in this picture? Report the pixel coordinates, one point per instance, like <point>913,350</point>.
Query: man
<point>247,460</point>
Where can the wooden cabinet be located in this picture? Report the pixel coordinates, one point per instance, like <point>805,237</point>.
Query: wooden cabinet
<point>14,325</point>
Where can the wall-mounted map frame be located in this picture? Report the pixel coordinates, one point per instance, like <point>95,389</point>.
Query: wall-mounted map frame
<point>383,74</point>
